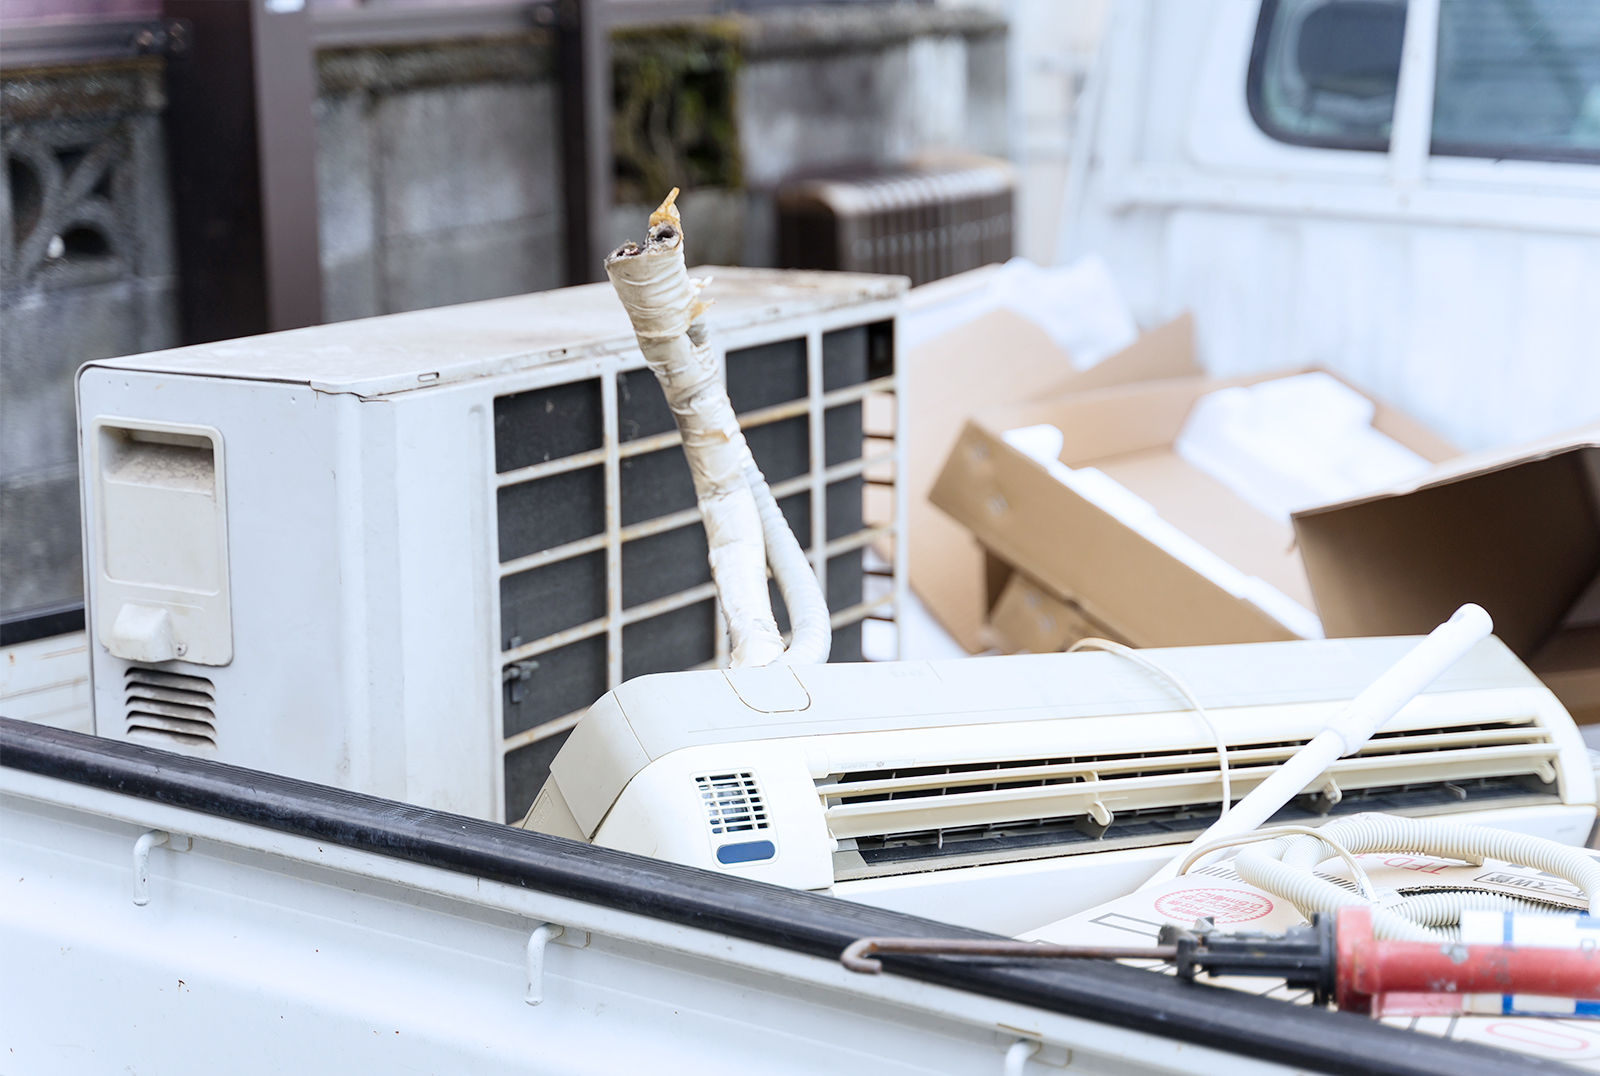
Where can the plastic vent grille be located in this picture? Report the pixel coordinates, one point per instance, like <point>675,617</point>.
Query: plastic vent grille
<point>170,710</point>
<point>733,802</point>
<point>882,802</point>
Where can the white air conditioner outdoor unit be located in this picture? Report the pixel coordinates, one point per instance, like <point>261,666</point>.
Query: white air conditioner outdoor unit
<point>1006,793</point>
<point>403,555</point>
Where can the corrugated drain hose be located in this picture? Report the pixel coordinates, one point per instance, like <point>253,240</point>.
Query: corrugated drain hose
<point>744,528</point>
<point>1284,868</point>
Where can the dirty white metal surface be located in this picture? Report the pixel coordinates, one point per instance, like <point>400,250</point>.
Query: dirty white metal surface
<point>1465,291</point>
<point>47,680</point>
<point>397,352</point>
<point>312,958</point>
<point>365,528</point>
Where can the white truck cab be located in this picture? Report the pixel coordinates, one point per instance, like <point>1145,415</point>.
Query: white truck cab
<point>1407,194</point>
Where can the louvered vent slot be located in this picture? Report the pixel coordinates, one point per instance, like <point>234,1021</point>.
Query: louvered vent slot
<point>170,709</point>
<point>1450,764</point>
<point>733,802</point>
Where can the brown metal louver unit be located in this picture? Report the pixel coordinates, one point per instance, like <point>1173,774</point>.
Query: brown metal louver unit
<point>924,223</point>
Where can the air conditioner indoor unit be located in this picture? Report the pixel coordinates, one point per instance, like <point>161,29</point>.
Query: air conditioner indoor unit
<point>1007,793</point>
<point>402,555</point>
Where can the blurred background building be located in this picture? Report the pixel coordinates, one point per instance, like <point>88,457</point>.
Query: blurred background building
<point>195,170</point>
<point>180,171</point>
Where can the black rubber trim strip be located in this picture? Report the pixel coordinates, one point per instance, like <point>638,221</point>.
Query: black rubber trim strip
<point>40,624</point>
<point>1312,1039</point>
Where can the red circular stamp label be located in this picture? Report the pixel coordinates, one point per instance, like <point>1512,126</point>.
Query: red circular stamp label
<point>1222,905</point>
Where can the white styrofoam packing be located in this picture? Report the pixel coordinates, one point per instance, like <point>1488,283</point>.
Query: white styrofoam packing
<point>1043,443</point>
<point>1078,306</point>
<point>1292,443</point>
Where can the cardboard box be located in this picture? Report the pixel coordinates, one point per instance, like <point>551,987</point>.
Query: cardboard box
<point>1092,561</point>
<point>1000,357</point>
<point>1027,616</point>
<point>1515,530</point>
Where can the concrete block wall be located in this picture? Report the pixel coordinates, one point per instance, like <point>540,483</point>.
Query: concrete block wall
<point>86,272</point>
<point>868,86</point>
<point>439,181</point>
<point>439,163</point>
<point>821,88</point>
<point>438,174</point>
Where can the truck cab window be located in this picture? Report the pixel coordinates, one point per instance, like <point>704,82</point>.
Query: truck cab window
<point>1324,72</point>
<point>1518,79</point>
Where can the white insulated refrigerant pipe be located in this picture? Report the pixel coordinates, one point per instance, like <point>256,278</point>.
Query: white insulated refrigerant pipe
<point>1352,727</point>
<point>744,527</point>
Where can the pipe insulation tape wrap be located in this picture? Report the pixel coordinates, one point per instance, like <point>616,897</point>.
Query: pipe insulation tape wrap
<point>745,529</point>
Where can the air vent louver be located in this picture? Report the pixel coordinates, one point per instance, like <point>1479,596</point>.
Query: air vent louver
<point>1024,808</point>
<point>170,710</point>
<point>733,802</point>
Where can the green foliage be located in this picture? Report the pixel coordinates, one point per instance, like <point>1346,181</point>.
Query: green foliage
<point>673,108</point>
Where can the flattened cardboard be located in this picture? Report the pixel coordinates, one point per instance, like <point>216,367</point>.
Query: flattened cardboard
<point>998,358</point>
<point>1089,559</point>
<point>1516,531</point>
<point>1028,617</point>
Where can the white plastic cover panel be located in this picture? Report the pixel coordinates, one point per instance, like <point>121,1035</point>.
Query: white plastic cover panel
<point>163,550</point>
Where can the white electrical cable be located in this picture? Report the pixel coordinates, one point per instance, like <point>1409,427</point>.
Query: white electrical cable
<point>1182,688</point>
<point>1350,728</point>
<point>1363,883</point>
<point>744,528</point>
<point>1262,868</point>
<point>1284,868</point>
